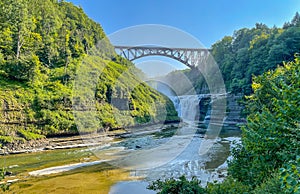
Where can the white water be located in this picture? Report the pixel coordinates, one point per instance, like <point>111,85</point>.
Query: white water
<point>64,168</point>
<point>189,107</point>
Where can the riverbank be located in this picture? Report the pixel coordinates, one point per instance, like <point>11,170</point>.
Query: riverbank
<point>101,137</point>
<point>80,141</point>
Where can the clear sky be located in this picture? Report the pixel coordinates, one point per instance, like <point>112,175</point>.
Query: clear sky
<point>207,20</point>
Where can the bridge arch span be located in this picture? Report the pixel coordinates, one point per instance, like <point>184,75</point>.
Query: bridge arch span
<point>191,57</point>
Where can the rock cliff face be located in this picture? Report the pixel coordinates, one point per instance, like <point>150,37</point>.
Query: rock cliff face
<point>232,113</point>
<point>185,104</point>
<point>234,110</point>
<point>203,103</point>
<point>199,107</point>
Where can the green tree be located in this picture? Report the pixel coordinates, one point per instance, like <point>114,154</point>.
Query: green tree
<point>224,56</point>
<point>290,176</point>
<point>296,20</point>
<point>284,46</point>
<point>49,21</point>
<point>271,135</point>
<point>180,186</point>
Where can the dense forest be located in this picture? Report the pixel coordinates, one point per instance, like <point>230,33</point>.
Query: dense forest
<point>248,53</point>
<point>43,47</point>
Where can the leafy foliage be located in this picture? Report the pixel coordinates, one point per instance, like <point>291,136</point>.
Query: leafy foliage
<point>271,137</point>
<point>30,135</point>
<point>271,186</point>
<point>229,186</point>
<point>254,51</point>
<point>290,176</point>
<point>180,186</point>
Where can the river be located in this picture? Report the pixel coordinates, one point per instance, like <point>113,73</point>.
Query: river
<point>208,167</point>
<point>128,164</point>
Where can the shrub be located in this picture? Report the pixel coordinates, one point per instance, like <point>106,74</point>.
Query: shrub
<point>6,139</point>
<point>290,176</point>
<point>271,136</point>
<point>177,186</point>
<point>29,135</point>
<point>229,186</point>
<point>271,186</point>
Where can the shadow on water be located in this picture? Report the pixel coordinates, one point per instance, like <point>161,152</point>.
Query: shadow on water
<point>130,187</point>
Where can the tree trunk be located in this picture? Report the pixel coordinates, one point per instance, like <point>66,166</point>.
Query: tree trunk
<point>19,44</point>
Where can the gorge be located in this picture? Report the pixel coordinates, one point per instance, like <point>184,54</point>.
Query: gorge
<point>77,117</point>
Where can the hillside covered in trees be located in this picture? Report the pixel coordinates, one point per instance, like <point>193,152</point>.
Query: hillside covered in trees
<point>43,46</point>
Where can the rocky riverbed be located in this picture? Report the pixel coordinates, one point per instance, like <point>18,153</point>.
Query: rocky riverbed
<point>79,141</point>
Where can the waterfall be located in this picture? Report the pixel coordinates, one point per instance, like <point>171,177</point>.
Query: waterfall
<point>176,102</point>
<point>187,106</point>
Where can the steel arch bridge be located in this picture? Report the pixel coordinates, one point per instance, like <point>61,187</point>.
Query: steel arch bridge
<point>191,57</point>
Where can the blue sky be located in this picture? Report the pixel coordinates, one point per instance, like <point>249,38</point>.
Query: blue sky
<point>207,20</point>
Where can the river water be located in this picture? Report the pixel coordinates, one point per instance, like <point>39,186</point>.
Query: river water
<point>180,154</point>
<point>165,163</point>
<point>150,153</point>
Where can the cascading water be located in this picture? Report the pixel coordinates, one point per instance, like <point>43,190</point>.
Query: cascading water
<point>188,107</point>
<point>188,110</point>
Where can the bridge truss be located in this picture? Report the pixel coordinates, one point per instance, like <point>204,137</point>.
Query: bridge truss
<point>191,57</point>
